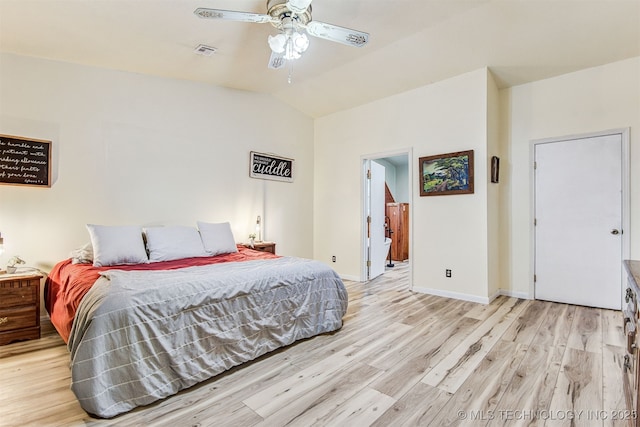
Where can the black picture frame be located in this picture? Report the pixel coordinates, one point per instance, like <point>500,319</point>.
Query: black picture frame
<point>25,161</point>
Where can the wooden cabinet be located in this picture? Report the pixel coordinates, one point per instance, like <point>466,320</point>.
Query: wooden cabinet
<point>264,247</point>
<point>19,307</point>
<point>398,217</point>
<point>631,323</point>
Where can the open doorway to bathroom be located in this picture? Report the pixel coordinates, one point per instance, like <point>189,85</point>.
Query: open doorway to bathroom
<point>387,207</point>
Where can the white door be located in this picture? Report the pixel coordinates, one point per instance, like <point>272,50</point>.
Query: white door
<point>578,221</point>
<point>376,205</point>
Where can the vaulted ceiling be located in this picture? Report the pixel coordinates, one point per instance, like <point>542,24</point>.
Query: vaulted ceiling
<point>412,42</point>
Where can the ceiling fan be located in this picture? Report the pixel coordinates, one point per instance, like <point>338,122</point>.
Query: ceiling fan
<point>293,20</point>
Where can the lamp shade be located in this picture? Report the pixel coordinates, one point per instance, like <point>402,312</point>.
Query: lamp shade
<point>258,229</point>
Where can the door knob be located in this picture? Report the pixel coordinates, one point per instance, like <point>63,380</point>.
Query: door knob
<point>615,231</point>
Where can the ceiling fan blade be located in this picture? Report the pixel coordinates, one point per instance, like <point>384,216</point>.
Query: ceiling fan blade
<point>231,15</point>
<point>337,34</point>
<point>276,61</point>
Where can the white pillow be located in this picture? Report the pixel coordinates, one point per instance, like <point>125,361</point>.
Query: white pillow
<point>115,245</point>
<point>82,255</point>
<point>175,242</point>
<point>217,238</point>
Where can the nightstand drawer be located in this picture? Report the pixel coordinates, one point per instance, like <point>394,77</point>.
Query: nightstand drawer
<point>264,247</point>
<point>19,307</point>
<point>18,295</point>
<point>17,318</point>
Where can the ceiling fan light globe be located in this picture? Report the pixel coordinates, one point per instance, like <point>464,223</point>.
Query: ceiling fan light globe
<point>300,42</point>
<point>277,43</point>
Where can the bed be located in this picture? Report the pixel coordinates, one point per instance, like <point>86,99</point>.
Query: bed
<point>139,332</point>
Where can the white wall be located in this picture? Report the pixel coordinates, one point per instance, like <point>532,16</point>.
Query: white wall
<point>402,184</point>
<point>449,231</point>
<point>592,100</point>
<point>495,201</point>
<point>134,149</point>
<point>485,238</point>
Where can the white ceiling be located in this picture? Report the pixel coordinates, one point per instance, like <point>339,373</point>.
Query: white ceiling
<point>412,42</point>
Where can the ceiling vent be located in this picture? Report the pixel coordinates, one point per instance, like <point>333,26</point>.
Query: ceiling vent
<point>202,49</point>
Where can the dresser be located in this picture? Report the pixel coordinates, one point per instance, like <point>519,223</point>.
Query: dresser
<point>19,307</point>
<point>631,322</point>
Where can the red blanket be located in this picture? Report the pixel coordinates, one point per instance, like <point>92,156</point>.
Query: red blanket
<point>67,283</point>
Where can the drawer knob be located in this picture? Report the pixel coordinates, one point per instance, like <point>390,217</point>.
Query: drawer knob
<point>4,320</point>
<point>628,296</point>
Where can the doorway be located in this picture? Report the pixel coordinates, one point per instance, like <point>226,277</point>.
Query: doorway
<point>396,170</point>
<point>580,215</point>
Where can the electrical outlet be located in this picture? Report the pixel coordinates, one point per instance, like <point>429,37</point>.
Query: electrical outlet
<point>447,272</point>
<point>333,258</point>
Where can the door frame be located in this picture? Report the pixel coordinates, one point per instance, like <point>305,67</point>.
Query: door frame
<point>363,207</point>
<point>626,242</point>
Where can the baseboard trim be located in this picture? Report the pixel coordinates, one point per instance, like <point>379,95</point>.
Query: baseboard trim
<point>473,298</point>
<point>521,295</point>
<point>454,295</point>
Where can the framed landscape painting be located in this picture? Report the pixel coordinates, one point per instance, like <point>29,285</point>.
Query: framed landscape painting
<point>443,174</point>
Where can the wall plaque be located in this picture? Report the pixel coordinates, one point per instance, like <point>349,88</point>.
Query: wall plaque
<point>25,161</point>
<point>269,166</point>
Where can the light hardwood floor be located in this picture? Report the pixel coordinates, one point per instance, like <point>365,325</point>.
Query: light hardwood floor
<point>401,358</point>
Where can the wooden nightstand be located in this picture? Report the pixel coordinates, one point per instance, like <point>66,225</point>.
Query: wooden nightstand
<point>19,307</point>
<point>263,247</point>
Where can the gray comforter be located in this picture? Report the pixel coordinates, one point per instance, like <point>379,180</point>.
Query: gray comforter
<point>140,336</point>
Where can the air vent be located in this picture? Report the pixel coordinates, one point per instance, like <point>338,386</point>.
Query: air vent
<point>205,50</point>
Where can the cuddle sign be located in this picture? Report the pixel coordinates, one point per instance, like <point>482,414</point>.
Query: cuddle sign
<point>269,166</point>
